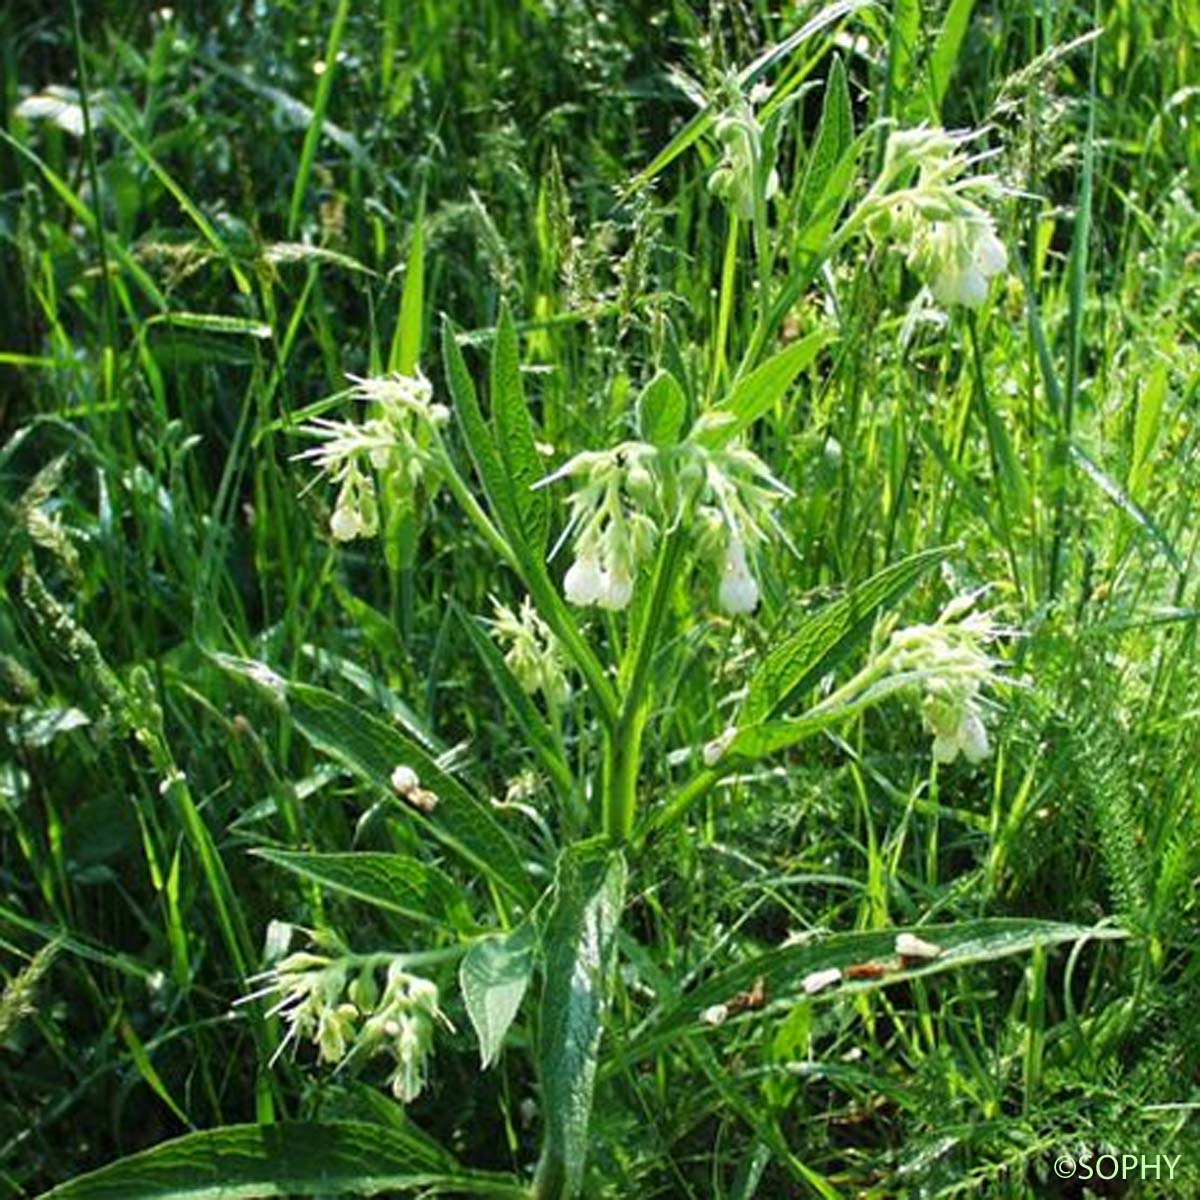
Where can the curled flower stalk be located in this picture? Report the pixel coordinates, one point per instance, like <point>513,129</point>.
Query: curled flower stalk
<point>627,497</point>
<point>939,220</point>
<point>398,441</point>
<point>336,1004</point>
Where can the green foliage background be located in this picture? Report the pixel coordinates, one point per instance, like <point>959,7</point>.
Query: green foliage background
<point>231,235</point>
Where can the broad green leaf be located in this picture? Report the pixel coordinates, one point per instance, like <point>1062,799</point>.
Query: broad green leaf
<point>292,1158</point>
<point>1146,427</point>
<point>406,342</point>
<point>783,970</point>
<point>394,882</point>
<point>820,639</point>
<point>497,487</point>
<point>816,222</point>
<point>514,436</point>
<point>835,133</point>
<point>494,975</point>
<point>661,409</point>
<point>944,57</point>
<point>373,750</point>
<point>579,946</point>
<point>538,734</point>
<point>758,392</point>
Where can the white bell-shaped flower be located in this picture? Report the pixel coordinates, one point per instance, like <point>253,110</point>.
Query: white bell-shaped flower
<point>738,593</point>
<point>583,583</point>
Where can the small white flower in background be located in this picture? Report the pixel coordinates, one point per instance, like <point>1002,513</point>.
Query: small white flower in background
<point>738,592</point>
<point>715,1014</point>
<point>949,660</point>
<point>714,751</point>
<point>908,945</point>
<point>938,221</point>
<point>533,653</point>
<point>395,438</point>
<point>818,981</point>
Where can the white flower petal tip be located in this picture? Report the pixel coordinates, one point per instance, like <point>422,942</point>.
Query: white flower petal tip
<point>345,525</point>
<point>583,583</point>
<point>818,981</point>
<point>973,738</point>
<point>616,590</point>
<point>908,945</point>
<point>715,1014</point>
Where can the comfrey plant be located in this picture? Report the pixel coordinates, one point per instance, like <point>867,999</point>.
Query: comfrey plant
<point>685,508</point>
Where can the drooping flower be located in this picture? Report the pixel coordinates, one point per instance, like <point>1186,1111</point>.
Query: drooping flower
<point>938,221</point>
<point>533,653</point>
<point>335,1004</point>
<point>395,439</point>
<point>950,662</point>
<point>738,593</point>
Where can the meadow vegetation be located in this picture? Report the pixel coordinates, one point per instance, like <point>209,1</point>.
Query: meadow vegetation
<point>598,598</point>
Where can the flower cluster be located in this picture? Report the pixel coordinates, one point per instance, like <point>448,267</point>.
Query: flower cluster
<point>396,439</point>
<point>736,499</point>
<point>951,663</point>
<point>625,496</point>
<point>533,654</point>
<point>336,1004</point>
<point>612,533</point>
<point>948,237</point>
<point>735,177</point>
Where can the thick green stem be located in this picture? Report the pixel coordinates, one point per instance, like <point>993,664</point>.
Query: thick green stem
<point>623,760</point>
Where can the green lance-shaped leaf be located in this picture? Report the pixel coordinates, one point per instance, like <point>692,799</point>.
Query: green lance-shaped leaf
<point>835,133</point>
<point>405,352</point>
<point>661,409</point>
<point>514,435</point>
<point>783,970</point>
<point>579,945</point>
<point>819,640</point>
<point>394,882</point>
<point>494,975</point>
<point>292,1158</point>
<point>758,392</point>
<point>373,750</point>
<point>527,559</point>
